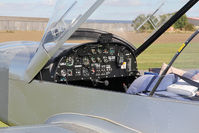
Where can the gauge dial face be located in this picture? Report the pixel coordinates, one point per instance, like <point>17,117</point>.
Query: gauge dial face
<point>112,51</point>
<point>105,59</point>
<point>78,61</point>
<point>99,59</point>
<point>69,61</point>
<point>93,51</point>
<point>93,59</point>
<point>99,50</point>
<point>105,51</point>
<point>63,73</point>
<point>86,61</point>
<point>69,72</point>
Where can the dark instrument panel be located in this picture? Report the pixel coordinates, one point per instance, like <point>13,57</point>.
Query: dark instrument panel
<point>95,62</point>
<point>107,62</point>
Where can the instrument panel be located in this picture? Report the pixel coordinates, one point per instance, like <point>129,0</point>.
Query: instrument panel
<point>106,62</point>
<point>94,61</point>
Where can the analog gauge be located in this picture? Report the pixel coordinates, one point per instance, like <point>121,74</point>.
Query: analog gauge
<point>93,59</point>
<point>78,61</point>
<point>99,50</point>
<point>112,51</point>
<point>69,61</point>
<point>86,61</point>
<point>99,59</point>
<point>93,51</point>
<point>63,73</point>
<point>105,51</point>
<point>69,72</point>
<point>105,59</point>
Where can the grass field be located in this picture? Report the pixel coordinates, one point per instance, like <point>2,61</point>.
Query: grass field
<point>155,55</point>
<point>161,51</point>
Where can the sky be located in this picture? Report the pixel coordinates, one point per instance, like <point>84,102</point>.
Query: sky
<point>110,10</point>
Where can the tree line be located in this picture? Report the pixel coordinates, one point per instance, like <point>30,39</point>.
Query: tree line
<point>157,21</point>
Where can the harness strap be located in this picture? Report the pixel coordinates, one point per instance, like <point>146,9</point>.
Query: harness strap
<point>189,81</point>
<point>147,88</point>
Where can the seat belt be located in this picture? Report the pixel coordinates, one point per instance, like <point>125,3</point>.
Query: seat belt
<point>153,79</point>
<point>189,81</point>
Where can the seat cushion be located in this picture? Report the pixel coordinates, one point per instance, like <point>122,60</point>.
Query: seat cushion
<point>144,83</point>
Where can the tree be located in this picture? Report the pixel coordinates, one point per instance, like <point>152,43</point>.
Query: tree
<point>138,21</point>
<point>181,23</point>
<point>189,27</point>
<point>156,20</point>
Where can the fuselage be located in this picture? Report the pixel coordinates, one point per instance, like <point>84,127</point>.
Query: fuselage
<point>24,103</point>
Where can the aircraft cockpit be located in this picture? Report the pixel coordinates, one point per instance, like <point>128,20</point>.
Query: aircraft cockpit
<point>107,62</point>
<point>79,71</point>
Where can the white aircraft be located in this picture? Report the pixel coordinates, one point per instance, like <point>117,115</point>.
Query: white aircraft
<point>77,88</point>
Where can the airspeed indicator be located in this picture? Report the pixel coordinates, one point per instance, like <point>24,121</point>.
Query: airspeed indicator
<point>69,61</point>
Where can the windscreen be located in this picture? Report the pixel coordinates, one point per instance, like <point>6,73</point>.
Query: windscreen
<point>138,20</point>
<point>134,20</point>
<point>63,20</point>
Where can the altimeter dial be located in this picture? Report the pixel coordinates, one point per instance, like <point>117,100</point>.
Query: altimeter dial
<point>86,61</point>
<point>69,61</point>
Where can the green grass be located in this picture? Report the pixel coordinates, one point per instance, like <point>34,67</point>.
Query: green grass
<point>156,54</point>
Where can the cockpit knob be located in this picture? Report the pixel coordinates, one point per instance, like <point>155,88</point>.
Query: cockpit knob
<point>106,82</point>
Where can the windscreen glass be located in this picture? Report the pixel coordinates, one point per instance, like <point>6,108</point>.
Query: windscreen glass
<point>134,20</point>
<point>137,20</point>
<point>66,15</point>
